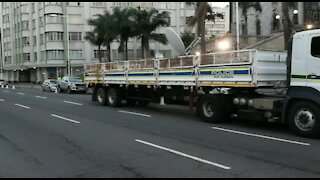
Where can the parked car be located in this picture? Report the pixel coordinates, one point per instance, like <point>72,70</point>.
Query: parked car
<point>49,85</point>
<point>3,82</point>
<point>71,84</point>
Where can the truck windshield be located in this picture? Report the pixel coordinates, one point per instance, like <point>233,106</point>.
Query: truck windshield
<point>75,79</point>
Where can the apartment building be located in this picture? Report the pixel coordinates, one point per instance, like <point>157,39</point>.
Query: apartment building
<point>221,25</point>
<point>37,38</point>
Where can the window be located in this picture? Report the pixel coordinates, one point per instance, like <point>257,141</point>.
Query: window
<point>6,18</point>
<point>34,40</point>
<point>33,24</point>
<point>75,54</point>
<point>53,19</point>
<point>6,32</point>
<point>99,4</point>
<point>73,3</point>
<point>25,41</point>
<point>54,36</point>
<point>53,3</point>
<point>104,54</point>
<point>116,3</point>
<point>25,8</point>
<point>41,38</point>
<point>55,54</point>
<point>7,59</point>
<point>75,36</point>
<point>32,7</point>
<point>26,57</point>
<point>41,21</point>
<point>315,50</point>
<point>35,56</point>
<point>188,19</point>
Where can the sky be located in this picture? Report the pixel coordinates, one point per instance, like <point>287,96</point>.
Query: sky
<point>219,4</point>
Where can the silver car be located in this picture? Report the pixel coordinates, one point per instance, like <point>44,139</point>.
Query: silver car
<point>49,85</point>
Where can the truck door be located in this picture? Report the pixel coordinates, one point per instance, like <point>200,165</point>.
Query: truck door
<point>298,62</point>
<point>313,55</point>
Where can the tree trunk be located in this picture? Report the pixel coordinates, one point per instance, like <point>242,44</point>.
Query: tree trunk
<point>203,35</point>
<point>99,54</point>
<point>286,24</point>
<point>142,48</point>
<point>147,49</point>
<point>109,52</point>
<point>126,50</point>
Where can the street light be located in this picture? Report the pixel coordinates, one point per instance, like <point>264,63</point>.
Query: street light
<point>68,58</point>
<point>295,11</point>
<point>223,45</point>
<point>309,26</point>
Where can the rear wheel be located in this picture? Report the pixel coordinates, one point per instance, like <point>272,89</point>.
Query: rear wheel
<point>114,97</point>
<point>304,119</point>
<point>211,109</point>
<point>102,97</point>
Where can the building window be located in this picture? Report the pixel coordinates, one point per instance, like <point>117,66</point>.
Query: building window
<point>99,4</point>
<point>53,3</point>
<point>75,36</point>
<point>6,32</point>
<point>6,18</point>
<point>104,54</point>
<point>54,54</point>
<point>41,21</point>
<point>75,54</point>
<point>34,40</point>
<point>258,27</point>
<point>26,57</point>
<point>41,38</point>
<point>53,19</point>
<point>7,59</point>
<point>34,24</point>
<point>115,55</point>
<point>54,36</point>
<point>25,41</point>
<point>116,3</point>
<point>35,56</point>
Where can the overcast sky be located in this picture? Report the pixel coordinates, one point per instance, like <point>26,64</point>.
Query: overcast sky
<point>219,4</point>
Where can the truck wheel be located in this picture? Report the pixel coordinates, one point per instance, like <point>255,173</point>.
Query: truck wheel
<point>143,103</point>
<point>114,97</point>
<point>211,109</point>
<point>102,97</point>
<point>304,119</point>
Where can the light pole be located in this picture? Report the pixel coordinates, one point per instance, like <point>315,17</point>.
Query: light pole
<point>237,24</point>
<point>68,44</point>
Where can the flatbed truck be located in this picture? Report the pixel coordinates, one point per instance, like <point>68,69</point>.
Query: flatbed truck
<point>252,84</point>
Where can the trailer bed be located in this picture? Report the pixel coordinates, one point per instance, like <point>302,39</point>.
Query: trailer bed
<point>244,68</point>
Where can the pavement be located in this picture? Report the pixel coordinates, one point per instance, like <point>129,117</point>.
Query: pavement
<point>45,134</point>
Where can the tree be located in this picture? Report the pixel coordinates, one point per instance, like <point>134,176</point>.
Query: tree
<point>147,21</point>
<point>96,39</point>
<point>286,23</point>
<point>124,25</point>
<point>103,34</point>
<point>202,13</point>
<point>245,6</point>
<point>187,37</point>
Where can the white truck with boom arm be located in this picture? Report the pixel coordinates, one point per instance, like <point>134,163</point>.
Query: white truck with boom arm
<point>252,84</point>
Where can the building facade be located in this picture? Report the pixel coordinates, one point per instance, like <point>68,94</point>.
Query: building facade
<point>269,20</point>
<point>34,36</point>
<point>220,26</point>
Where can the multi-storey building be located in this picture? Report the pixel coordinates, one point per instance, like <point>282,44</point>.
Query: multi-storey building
<point>221,25</point>
<point>34,36</point>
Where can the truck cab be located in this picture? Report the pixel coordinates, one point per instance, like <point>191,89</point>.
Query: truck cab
<point>303,97</point>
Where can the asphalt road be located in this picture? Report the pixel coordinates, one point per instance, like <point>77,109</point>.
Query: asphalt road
<point>45,134</point>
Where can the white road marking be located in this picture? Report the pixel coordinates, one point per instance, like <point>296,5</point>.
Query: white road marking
<point>20,93</point>
<point>63,118</point>
<point>262,136</point>
<point>1,100</point>
<point>70,102</point>
<point>183,154</point>
<point>22,106</point>
<point>41,97</point>
<point>139,114</point>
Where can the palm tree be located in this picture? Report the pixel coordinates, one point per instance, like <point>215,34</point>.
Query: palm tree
<point>202,13</point>
<point>96,38</point>
<point>147,21</point>
<point>187,37</point>
<point>124,25</point>
<point>103,33</point>
<point>286,23</point>
<point>245,6</point>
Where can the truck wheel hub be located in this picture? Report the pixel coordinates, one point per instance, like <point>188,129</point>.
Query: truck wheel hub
<point>208,109</point>
<point>305,120</point>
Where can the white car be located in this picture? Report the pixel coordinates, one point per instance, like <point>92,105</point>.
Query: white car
<point>3,82</point>
<point>49,85</point>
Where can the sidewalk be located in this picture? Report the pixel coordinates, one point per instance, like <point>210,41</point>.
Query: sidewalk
<point>25,85</point>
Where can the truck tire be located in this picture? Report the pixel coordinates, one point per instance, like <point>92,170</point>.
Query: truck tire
<point>304,119</point>
<point>211,109</point>
<point>143,103</point>
<point>102,96</point>
<point>114,97</point>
